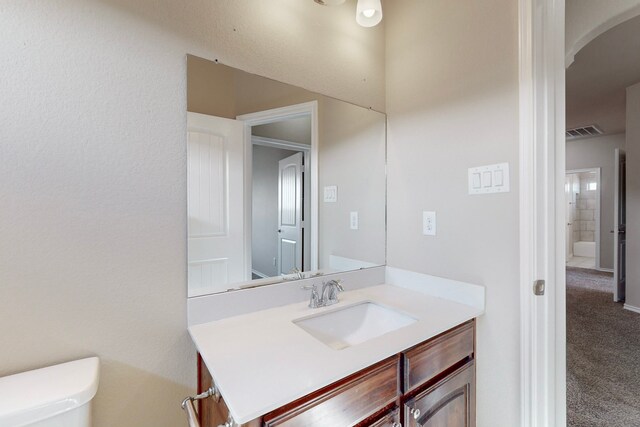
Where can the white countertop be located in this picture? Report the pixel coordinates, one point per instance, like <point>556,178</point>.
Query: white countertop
<point>261,361</point>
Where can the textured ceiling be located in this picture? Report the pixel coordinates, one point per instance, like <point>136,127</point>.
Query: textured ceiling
<point>597,80</point>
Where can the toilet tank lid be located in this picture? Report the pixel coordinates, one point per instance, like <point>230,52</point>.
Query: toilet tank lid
<point>36,395</point>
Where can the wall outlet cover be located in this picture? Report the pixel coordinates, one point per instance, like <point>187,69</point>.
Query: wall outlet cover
<point>354,221</point>
<point>429,223</point>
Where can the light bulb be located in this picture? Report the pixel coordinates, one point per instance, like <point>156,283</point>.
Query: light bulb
<point>369,12</point>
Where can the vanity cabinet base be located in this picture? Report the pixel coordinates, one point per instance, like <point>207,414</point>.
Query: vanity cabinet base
<point>431,384</point>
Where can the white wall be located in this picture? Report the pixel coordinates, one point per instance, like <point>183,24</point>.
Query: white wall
<point>587,19</point>
<point>93,173</point>
<point>599,152</point>
<point>633,195</point>
<point>452,103</point>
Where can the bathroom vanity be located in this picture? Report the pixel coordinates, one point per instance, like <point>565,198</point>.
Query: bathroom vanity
<point>397,348</point>
<point>420,374</point>
<point>431,384</point>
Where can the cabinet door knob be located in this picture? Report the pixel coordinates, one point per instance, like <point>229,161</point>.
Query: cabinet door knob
<point>415,412</point>
<point>396,424</point>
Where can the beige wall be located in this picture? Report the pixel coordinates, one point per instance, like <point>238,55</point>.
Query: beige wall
<point>93,173</point>
<point>452,103</point>
<point>352,157</point>
<point>599,152</point>
<point>226,92</point>
<point>633,195</point>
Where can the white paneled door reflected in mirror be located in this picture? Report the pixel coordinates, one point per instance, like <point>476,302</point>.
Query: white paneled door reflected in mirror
<point>283,183</point>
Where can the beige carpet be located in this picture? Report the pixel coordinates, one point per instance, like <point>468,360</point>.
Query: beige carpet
<point>603,354</point>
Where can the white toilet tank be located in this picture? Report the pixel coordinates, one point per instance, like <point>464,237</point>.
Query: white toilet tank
<point>56,396</point>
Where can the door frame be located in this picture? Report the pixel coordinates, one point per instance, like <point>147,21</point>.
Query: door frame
<point>542,247</point>
<point>271,116</point>
<point>306,151</point>
<point>616,222</point>
<point>598,215</point>
<point>542,163</point>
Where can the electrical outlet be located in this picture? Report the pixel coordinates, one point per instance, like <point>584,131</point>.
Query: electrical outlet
<point>354,220</point>
<point>429,223</point>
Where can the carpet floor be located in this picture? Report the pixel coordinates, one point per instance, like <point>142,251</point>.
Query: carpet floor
<point>603,354</point>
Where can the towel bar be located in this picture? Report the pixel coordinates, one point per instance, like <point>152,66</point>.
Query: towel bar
<point>192,414</point>
<point>187,405</point>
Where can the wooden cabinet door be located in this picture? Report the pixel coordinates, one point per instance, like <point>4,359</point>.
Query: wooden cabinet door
<point>448,403</point>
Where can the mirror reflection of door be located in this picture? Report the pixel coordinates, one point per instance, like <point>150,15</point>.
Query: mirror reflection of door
<point>281,183</point>
<point>215,203</point>
<point>290,216</point>
<point>279,237</point>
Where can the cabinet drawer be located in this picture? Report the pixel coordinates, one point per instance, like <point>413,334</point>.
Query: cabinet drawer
<point>425,361</point>
<point>344,403</point>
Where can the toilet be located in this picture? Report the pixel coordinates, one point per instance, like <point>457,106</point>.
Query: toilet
<point>56,396</point>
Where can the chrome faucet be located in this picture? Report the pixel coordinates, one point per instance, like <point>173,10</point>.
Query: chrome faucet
<point>328,295</point>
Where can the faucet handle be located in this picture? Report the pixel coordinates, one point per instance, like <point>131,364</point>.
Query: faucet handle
<point>339,285</point>
<point>314,300</point>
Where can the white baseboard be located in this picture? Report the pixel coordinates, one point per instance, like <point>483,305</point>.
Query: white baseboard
<point>606,270</point>
<point>632,308</point>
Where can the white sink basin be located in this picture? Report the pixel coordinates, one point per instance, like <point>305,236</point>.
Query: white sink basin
<point>354,324</point>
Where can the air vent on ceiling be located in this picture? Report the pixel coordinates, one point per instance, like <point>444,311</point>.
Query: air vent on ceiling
<point>583,132</point>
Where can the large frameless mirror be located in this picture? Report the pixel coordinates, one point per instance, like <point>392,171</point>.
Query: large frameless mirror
<point>283,183</point>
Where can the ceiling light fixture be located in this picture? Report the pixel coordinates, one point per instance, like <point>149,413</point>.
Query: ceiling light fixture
<point>369,13</point>
<point>330,2</point>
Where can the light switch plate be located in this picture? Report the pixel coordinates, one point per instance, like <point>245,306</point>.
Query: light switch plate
<point>331,194</point>
<point>354,220</point>
<point>489,179</point>
<point>429,223</point>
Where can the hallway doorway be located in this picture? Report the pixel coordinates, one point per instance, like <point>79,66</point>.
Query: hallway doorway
<point>582,191</point>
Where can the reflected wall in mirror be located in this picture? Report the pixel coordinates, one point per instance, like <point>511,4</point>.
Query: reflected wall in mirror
<point>283,183</point>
